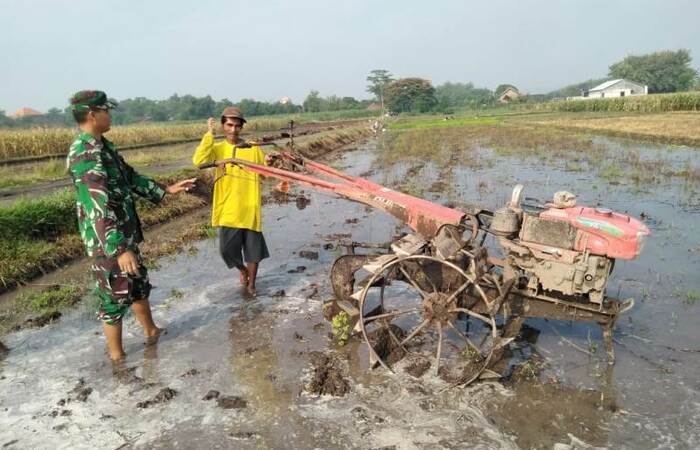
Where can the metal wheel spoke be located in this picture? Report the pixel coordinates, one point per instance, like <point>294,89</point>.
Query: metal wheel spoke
<point>413,282</point>
<point>458,291</point>
<point>439,348</point>
<point>432,285</point>
<point>438,298</point>
<point>463,336</point>
<point>473,314</point>
<point>414,332</point>
<point>393,337</point>
<point>389,314</point>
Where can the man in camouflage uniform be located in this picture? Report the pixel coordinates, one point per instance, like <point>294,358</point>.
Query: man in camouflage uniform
<point>106,186</point>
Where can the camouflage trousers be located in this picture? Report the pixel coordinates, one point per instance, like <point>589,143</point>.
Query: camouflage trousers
<point>115,290</point>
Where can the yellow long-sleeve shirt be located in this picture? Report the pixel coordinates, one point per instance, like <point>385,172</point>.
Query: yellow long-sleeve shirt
<point>237,194</point>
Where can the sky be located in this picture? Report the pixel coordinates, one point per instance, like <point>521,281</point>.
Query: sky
<point>269,49</point>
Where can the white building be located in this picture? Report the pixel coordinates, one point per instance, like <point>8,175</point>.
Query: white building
<point>616,88</point>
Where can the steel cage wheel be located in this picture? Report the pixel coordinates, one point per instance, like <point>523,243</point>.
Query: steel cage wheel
<point>434,309</point>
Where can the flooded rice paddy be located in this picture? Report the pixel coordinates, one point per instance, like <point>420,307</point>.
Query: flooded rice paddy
<point>58,390</point>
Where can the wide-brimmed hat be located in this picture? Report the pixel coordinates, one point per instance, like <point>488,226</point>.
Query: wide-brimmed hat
<point>233,113</point>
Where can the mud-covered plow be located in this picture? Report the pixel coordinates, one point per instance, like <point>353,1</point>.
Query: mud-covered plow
<point>456,291</point>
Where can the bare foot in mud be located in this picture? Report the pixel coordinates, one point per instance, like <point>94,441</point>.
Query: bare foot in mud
<point>251,292</point>
<point>117,358</point>
<point>153,335</point>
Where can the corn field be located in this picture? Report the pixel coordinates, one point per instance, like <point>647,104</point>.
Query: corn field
<point>684,101</point>
<point>17,143</point>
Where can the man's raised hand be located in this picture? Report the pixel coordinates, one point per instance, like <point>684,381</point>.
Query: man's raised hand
<point>184,185</point>
<point>211,125</point>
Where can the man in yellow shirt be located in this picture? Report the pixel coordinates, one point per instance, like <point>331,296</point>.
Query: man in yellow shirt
<point>237,197</point>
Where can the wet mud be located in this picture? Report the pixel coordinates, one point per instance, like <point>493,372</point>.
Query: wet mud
<point>327,378</point>
<point>163,396</point>
<point>266,352</point>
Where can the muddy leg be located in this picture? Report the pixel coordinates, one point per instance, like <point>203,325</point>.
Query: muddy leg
<point>244,276</point>
<point>252,269</point>
<point>142,311</point>
<point>113,334</point>
<point>608,338</point>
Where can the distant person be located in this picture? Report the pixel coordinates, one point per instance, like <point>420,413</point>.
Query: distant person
<point>106,188</point>
<point>237,202</point>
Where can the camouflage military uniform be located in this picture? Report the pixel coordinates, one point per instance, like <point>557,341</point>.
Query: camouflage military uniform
<point>108,222</point>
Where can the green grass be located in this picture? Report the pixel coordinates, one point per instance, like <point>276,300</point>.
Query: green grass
<point>44,217</point>
<point>12,176</point>
<point>433,122</point>
<point>611,172</point>
<point>53,299</point>
<point>39,234</point>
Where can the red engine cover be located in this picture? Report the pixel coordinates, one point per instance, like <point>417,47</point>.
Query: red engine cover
<point>602,231</point>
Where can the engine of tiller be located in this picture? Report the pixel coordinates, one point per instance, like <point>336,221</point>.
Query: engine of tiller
<point>561,248</point>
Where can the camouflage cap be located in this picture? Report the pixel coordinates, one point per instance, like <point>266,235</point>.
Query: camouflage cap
<point>234,113</point>
<point>91,100</point>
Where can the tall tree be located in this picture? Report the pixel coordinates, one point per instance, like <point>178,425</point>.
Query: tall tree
<point>4,120</point>
<point>665,71</point>
<point>460,95</point>
<point>313,102</point>
<point>410,95</point>
<point>378,80</point>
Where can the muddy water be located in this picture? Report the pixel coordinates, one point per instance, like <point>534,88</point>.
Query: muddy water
<point>260,350</point>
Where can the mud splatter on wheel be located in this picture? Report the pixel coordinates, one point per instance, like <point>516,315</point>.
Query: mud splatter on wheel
<point>426,306</point>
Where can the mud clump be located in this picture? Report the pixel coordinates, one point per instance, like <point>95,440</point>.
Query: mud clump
<point>190,373</point>
<point>417,368</point>
<point>163,396</point>
<point>308,254</point>
<point>83,394</point>
<point>81,390</point>
<point>385,346</point>
<point>42,320</point>
<point>530,370</point>
<point>327,377</point>
<point>463,372</point>
<point>302,202</point>
<point>125,374</point>
<point>299,269</point>
<point>62,413</point>
<point>212,394</point>
<point>438,186</point>
<point>245,435</point>
<point>231,402</point>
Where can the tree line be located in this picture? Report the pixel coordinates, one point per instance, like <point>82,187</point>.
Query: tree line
<point>663,71</point>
